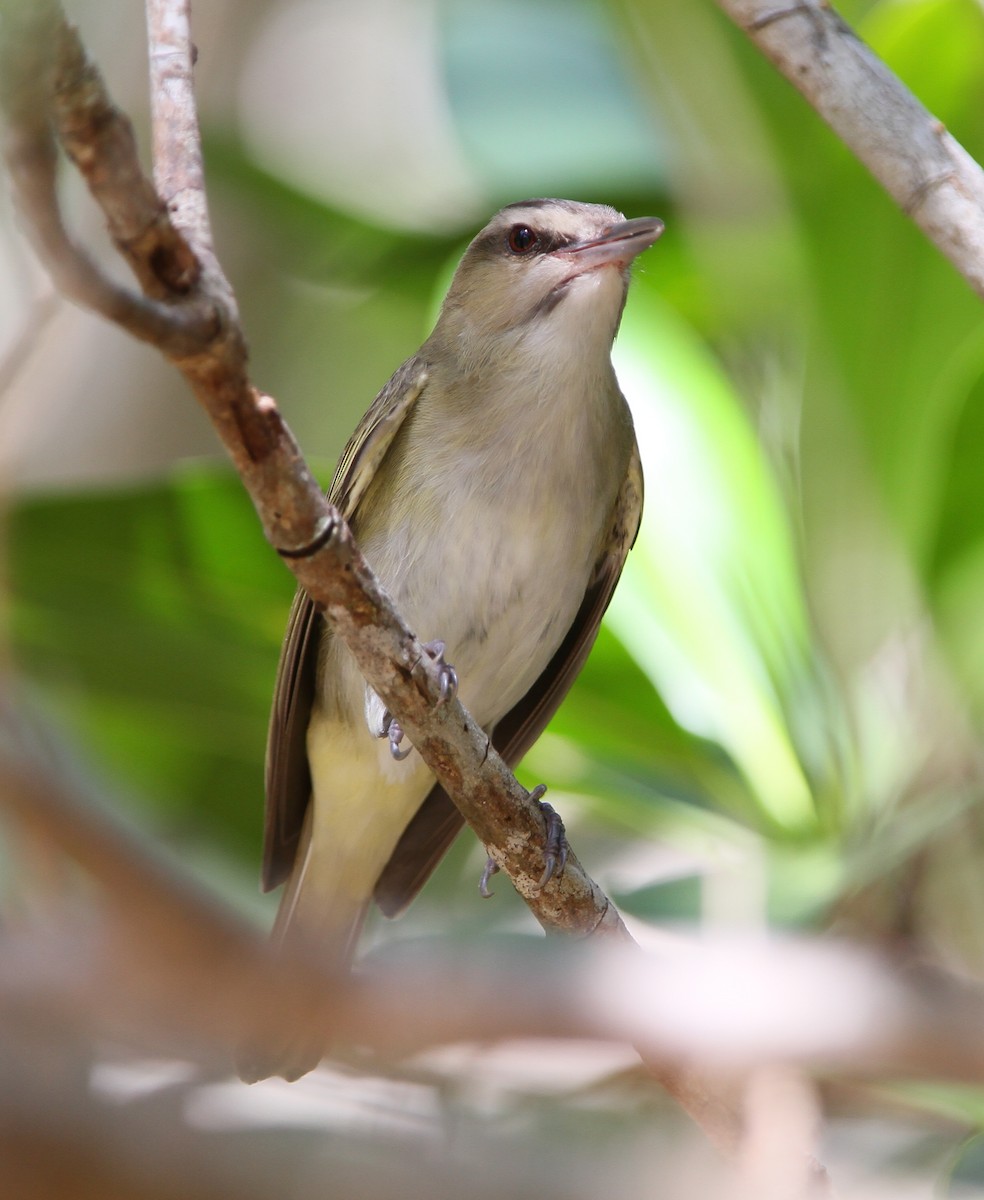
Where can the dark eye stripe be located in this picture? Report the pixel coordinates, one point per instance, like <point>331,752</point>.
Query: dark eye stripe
<point>493,243</point>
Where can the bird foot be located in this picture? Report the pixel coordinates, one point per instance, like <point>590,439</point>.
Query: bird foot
<point>491,868</point>
<point>555,846</point>
<point>447,690</point>
<point>448,675</point>
<point>393,730</point>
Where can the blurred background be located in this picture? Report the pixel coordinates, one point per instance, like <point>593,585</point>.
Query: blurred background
<point>780,725</point>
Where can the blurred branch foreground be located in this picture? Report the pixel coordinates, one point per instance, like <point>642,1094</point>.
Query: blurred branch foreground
<point>141,957</point>
<point>151,962</point>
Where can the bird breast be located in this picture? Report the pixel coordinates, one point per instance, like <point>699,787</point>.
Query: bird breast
<point>491,545</point>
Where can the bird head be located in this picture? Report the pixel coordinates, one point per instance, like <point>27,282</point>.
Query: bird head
<point>542,275</point>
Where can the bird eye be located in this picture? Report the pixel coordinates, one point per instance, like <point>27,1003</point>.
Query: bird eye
<point>521,239</point>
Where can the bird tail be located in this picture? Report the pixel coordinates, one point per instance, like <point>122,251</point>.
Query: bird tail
<point>361,802</point>
<point>310,925</point>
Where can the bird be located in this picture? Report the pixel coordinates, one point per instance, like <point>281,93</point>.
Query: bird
<point>495,488</point>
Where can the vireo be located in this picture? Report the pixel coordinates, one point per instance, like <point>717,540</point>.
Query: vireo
<point>495,489</point>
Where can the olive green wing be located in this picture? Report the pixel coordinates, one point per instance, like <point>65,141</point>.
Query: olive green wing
<point>288,778</point>
<point>368,446</point>
<point>438,821</point>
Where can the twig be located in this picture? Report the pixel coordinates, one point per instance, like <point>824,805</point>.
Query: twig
<point>179,171</point>
<point>99,140</point>
<point>927,172</point>
<point>33,35</point>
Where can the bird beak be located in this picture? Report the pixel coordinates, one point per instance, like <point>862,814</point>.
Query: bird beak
<point>619,244</point>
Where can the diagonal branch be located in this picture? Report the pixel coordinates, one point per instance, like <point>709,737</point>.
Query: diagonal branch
<point>923,168</point>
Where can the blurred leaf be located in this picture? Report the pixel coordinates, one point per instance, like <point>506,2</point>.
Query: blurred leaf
<point>968,1167</point>
<point>525,107</point>
<point>613,735</point>
<point>713,615</point>
<point>153,617</point>
<point>310,239</point>
<point>677,900</point>
<point>955,566</point>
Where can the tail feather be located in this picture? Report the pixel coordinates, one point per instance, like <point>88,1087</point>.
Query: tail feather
<point>324,929</point>
<point>311,915</point>
<point>360,805</point>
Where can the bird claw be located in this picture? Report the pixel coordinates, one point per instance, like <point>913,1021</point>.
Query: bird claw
<point>491,868</point>
<point>448,686</point>
<point>393,730</point>
<point>447,690</point>
<point>555,846</point>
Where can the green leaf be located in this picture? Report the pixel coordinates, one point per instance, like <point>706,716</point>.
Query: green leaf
<point>152,618</point>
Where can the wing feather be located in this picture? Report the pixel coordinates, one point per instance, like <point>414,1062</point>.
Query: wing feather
<point>288,777</point>
<point>438,821</point>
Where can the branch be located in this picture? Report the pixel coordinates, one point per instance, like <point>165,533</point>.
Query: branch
<point>36,39</point>
<point>927,172</point>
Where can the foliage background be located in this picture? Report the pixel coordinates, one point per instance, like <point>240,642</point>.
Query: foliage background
<point>781,722</point>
